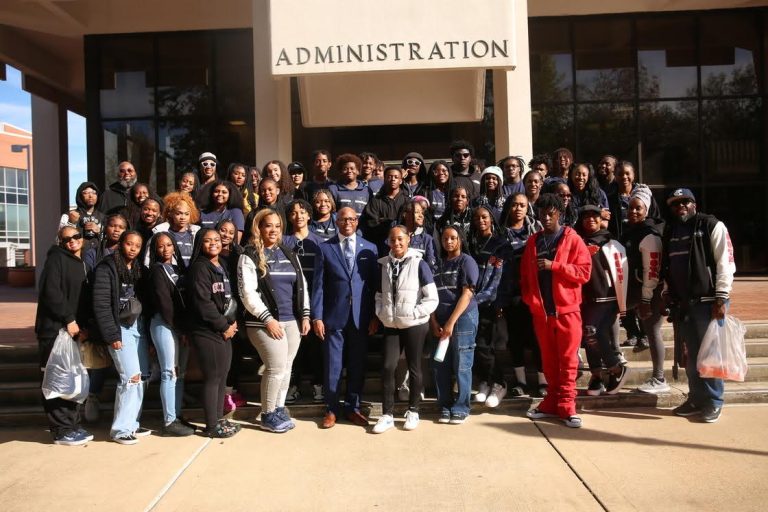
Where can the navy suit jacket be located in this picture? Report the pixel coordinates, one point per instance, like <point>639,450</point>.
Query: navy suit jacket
<point>338,293</point>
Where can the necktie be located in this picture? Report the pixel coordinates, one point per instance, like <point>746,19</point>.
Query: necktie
<point>349,254</point>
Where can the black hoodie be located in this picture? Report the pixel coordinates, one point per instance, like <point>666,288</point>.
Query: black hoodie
<point>114,199</point>
<point>97,216</point>
<point>61,293</point>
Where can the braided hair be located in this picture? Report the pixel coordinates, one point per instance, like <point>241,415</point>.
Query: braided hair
<point>125,275</point>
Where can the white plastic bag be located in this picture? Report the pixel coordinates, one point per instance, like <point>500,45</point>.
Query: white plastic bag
<point>65,375</point>
<point>722,354</point>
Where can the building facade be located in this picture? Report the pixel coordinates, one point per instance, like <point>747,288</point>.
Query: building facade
<point>678,88</point>
<point>15,149</point>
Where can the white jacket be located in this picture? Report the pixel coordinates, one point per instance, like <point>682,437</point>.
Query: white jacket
<point>413,302</point>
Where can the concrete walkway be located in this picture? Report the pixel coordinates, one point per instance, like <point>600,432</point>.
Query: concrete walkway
<point>634,459</point>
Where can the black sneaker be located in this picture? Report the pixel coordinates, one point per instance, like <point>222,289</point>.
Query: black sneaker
<point>177,429</point>
<point>630,342</point>
<point>617,380</point>
<point>688,408</point>
<point>518,390</point>
<point>595,387</point>
<point>220,431</point>
<point>710,413</point>
<point>642,344</point>
<point>142,432</point>
<point>186,422</point>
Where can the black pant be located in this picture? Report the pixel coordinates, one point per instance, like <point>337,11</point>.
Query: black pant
<point>63,415</point>
<point>240,348</point>
<point>631,324</point>
<point>215,356</point>
<point>395,340</point>
<point>521,335</point>
<point>487,368</point>
<point>600,347</point>
<point>308,360</point>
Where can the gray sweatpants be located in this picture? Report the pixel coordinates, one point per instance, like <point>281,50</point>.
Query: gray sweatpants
<point>278,355</point>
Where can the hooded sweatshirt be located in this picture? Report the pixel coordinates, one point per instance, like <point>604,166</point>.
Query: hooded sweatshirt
<point>607,281</point>
<point>96,216</point>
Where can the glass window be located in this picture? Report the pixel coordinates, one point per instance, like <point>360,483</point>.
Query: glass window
<point>669,139</point>
<point>11,198</point>
<point>606,128</point>
<point>729,54</point>
<point>12,218</point>
<point>234,74</point>
<point>133,141</point>
<point>23,198</point>
<point>22,180</point>
<point>552,128</point>
<point>2,176</point>
<point>24,220</point>
<point>731,131</point>
<point>10,177</point>
<point>126,82</point>
<point>551,61</point>
<point>184,74</point>
<point>605,65</point>
<point>746,224</point>
<point>181,143</point>
<point>3,220</point>
<point>666,57</point>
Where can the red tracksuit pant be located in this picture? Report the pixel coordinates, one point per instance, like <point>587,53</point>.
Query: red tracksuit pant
<point>559,339</point>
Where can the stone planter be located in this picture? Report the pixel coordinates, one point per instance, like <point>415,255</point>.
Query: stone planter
<point>21,277</point>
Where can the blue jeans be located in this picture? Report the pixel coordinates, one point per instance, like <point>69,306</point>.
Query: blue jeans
<point>166,343</point>
<point>130,391</point>
<point>458,361</point>
<point>691,329</point>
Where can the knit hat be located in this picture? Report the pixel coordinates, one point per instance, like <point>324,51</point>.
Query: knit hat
<point>420,198</point>
<point>493,170</point>
<point>681,193</point>
<point>206,156</point>
<point>643,193</point>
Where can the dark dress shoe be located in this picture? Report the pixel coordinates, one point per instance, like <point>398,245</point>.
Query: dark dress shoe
<point>357,418</point>
<point>329,420</point>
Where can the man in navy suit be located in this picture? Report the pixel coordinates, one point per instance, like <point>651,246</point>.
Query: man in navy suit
<point>342,312</point>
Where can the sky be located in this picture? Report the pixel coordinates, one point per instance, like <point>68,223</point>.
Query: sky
<point>15,109</point>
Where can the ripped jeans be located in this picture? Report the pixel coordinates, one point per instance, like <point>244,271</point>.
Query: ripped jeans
<point>130,391</point>
<point>458,361</point>
<point>170,358</point>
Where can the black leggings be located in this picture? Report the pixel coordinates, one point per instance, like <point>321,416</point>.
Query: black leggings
<point>521,335</point>
<point>395,340</point>
<point>488,367</point>
<point>214,356</point>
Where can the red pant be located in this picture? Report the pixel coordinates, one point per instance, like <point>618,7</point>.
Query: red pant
<point>559,339</point>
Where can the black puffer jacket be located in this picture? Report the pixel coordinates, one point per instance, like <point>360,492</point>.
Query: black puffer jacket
<point>106,301</point>
<point>62,293</point>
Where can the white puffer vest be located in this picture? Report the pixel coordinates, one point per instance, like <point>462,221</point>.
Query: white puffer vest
<point>413,303</point>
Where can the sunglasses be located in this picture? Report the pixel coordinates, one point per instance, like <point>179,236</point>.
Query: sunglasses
<point>67,239</point>
<point>413,161</point>
<point>565,195</point>
<point>463,155</point>
<point>209,164</point>
<point>682,202</point>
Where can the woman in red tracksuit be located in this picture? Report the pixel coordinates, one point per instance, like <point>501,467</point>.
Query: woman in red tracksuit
<point>555,265</point>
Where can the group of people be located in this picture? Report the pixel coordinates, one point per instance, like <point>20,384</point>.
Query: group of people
<point>469,264</point>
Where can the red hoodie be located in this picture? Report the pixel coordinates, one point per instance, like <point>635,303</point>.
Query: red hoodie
<point>570,270</point>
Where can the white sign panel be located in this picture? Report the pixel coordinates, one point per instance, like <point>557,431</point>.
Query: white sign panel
<point>337,36</point>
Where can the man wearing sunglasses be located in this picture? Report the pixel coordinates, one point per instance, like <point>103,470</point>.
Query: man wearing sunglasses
<point>115,198</point>
<point>698,267</point>
<point>207,168</point>
<point>463,168</point>
<point>414,174</point>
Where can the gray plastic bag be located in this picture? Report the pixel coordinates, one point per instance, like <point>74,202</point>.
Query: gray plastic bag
<point>65,375</point>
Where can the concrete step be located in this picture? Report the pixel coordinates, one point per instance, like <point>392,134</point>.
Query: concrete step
<point>735,393</point>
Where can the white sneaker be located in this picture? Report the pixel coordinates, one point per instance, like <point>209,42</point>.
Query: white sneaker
<point>482,392</point>
<point>411,420</point>
<point>292,395</point>
<point>386,422</point>
<point>91,409</point>
<point>403,393</point>
<point>497,393</point>
<point>654,385</point>
<point>572,421</point>
<point>317,391</point>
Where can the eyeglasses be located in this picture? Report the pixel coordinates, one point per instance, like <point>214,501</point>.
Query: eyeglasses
<point>413,161</point>
<point>209,164</point>
<point>299,247</point>
<point>462,155</point>
<point>67,239</point>
<point>347,219</point>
